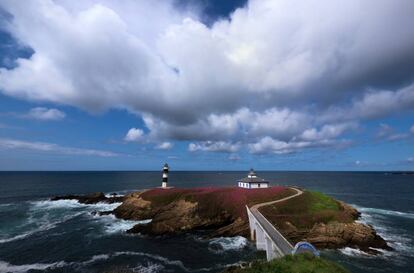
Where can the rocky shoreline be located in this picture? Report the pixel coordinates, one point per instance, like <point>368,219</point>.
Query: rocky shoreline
<point>190,210</point>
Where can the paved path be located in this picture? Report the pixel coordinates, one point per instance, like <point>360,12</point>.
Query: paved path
<point>281,242</point>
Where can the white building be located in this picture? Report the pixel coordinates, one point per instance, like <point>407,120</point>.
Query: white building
<point>252,181</point>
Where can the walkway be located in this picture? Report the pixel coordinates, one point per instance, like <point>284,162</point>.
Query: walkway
<point>267,236</point>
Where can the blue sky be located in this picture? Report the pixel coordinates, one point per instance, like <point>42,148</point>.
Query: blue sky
<point>206,85</point>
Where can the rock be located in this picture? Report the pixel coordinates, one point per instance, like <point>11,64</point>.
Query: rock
<point>92,198</point>
<point>178,216</point>
<point>338,235</point>
<point>237,228</point>
<point>135,208</point>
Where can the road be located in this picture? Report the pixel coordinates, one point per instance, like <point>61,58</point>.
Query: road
<point>284,246</point>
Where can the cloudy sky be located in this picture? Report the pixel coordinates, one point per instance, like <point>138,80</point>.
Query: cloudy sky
<point>207,85</point>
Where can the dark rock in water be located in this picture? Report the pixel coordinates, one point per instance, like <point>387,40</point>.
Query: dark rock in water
<point>93,198</point>
<point>107,212</point>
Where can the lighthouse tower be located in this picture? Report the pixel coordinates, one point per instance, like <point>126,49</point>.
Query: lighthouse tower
<point>165,176</point>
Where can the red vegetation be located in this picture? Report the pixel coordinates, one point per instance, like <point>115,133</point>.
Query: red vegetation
<point>213,199</point>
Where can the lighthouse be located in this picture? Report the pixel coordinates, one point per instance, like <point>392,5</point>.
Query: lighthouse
<point>164,184</point>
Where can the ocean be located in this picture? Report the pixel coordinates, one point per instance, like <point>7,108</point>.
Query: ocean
<point>37,235</point>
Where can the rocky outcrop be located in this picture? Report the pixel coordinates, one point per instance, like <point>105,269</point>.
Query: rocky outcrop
<point>177,216</point>
<point>338,235</point>
<point>93,198</point>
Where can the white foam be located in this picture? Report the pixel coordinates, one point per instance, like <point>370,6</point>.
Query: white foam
<point>115,225</point>
<point>349,251</point>
<point>17,237</point>
<point>387,212</point>
<point>227,243</point>
<point>95,258</point>
<point>110,195</point>
<point>150,268</point>
<point>396,238</point>
<point>6,267</point>
<point>48,204</point>
<point>155,257</point>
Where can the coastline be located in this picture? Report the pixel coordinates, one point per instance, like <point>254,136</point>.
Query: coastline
<point>176,211</point>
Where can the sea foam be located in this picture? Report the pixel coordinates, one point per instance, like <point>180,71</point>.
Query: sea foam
<point>227,243</point>
<point>6,267</point>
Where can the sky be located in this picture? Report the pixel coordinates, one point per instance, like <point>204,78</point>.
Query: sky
<point>207,85</point>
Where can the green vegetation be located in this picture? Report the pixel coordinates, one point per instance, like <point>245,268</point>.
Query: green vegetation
<point>320,202</point>
<point>306,210</point>
<point>302,263</point>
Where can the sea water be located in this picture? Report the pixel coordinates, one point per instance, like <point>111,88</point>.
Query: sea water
<point>38,235</point>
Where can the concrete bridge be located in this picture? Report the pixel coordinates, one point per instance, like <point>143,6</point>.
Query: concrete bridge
<point>267,237</point>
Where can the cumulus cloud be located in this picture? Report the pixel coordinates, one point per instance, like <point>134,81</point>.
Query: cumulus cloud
<point>53,148</point>
<point>165,146</point>
<point>214,146</point>
<point>262,77</point>
<point>134,135</point>
<point>45,114</point>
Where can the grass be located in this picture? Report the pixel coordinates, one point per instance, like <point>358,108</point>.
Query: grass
<point>306,210</point>
<point>302,263</point>
<point>320,202</point>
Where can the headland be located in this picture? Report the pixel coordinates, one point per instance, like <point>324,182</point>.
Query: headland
<point>221,211</point>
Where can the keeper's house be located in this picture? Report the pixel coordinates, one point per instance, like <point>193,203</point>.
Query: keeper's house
<point>252,181</point>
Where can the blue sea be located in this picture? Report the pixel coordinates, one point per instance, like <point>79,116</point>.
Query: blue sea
<point>37,235</point>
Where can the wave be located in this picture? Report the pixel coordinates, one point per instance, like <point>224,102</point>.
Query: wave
<point>150,268</point>
<point>72,204</point>
<point>227,243</point>
<point>6,267</point>
<point>349,251</point>
<point>116,225</point>
<point>398,238</point>
<point>45,224</point>
<point>177,263</point>
<point>386,212</point>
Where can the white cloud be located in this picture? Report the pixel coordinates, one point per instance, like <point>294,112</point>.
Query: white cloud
<point>164,146</point>
<point>263,74</point>
<point>134,135</point>
<point>51,147</point>
<point>214,146</point>
<point>329,131</point>
<point>268,145</point>
<point>45,114</point>
<point>412,129</point>
<point>384,130</point>
<point>388,133</point>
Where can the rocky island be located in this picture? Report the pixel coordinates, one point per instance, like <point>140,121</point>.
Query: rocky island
<point>313,217</point>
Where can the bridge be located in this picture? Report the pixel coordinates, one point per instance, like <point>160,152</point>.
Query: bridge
<point>267,237</point>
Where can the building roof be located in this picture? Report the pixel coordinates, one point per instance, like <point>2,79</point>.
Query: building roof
<point>252,178</point>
